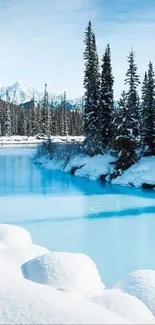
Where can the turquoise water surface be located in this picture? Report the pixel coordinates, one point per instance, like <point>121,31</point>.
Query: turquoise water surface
<point>114,225</point>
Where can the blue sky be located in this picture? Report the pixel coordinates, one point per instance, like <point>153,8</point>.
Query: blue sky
<point>42,40</point>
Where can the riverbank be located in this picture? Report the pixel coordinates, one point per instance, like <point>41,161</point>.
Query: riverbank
<point>18,140</point>
<point>100,167</point>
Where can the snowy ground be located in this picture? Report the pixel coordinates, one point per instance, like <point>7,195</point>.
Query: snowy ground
<point>42,287</point>
<point>100,167</point>
<point>24,140</point>
<point>140,173</point>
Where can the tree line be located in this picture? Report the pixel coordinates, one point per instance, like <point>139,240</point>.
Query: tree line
<point>41,118</point>
<point>126,129</point>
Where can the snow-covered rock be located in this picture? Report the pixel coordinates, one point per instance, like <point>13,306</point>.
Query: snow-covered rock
<point>14,236</point>
<point>91,167</point>
<point>65,271</point>
<point>26,302</point>
<point>124,305</point>
<point>140,173</point>
<point>140,284</point>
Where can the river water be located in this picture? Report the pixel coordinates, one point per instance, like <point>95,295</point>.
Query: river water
<point>114,225</point>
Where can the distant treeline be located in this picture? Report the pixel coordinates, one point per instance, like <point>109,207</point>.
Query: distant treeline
<point>39,118</point>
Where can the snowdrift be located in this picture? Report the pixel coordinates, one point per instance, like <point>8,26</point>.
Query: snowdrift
<point>140,174</point>
<point>123,305</point>
<point>64,271</point>
<point>14,236</point>
<point>91,167</point>
<point>64,288</point>
<point>140,284</point>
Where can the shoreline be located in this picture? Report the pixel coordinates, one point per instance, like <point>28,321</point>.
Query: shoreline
<point>99,168</point>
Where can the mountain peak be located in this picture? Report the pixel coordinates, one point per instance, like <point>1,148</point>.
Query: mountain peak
<point>21,93</point>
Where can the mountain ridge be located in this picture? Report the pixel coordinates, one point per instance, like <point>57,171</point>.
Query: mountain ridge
<point>20,93</point>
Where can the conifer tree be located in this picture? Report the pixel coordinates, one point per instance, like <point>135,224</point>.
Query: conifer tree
<point>7,116</point>
<point>124,142</point>
<point>92,144</point>
<point>127,134</point>
<point>132,80</point>
<point>107,99</point>
<point>148,111</point>
<point>44,111</point>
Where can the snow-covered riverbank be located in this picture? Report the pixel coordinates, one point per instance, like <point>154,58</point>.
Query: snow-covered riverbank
<point>18,140</point>
<point>100,167</point>
<point>43,287</point>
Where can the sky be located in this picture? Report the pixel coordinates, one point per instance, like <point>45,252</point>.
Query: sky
<point>41,41</point>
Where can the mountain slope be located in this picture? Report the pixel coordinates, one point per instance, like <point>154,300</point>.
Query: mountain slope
<point>20,93</point>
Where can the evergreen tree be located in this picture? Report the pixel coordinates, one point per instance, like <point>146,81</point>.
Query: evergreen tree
<point>132,80</point>
<point>124,142</point>
<point>107,99</point>
<point>45,111</point>
<point>8,116</point>
<point>126,136</point>
<point>64,117</point>
<point>92,144</point>
<point>148,111</point>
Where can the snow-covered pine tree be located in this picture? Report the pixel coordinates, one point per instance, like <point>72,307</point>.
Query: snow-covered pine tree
<point>107,99</point>
<point>7,116</point>
<point>38,118</point>
<point>124,142</point>
<point>64,128</point>
<point>148,111</point>
<point>132,80</point>
<point>65,115</point>
<point>33,116</point>
<point>92,144</point>
<point>126,135</point>
<point>44,111</point>
<point>52,117</point>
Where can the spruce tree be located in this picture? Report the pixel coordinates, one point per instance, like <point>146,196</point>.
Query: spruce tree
<point>44,112</point>
<point>132,80</point>
<point>148,111</point>
<point>127,134</point>
<point>92,144</point>
<point>107,99</point>
<point>7,116</point>
<point>124,142</point>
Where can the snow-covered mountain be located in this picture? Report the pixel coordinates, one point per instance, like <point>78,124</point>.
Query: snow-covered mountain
<point>20,93</point>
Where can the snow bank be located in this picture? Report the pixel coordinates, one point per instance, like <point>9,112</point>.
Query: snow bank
<point>64,271</point>
<point>124,305</point>
<point>65,288</point>
<point>140,284</point>
<point>14,236</point>
<point>91,167</point>
<point>23,254</point>
<point>138,174</point>
<point>9,268</point>
<point>25,302</point>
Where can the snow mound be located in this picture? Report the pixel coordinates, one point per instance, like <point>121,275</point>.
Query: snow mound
<point>64,271</point>
<point>26,302</point>
<point>25,253</point>
<point>138,174</point>
<point>9,268</point>
<point>140,284</point>
<point>124,305</point>
<point>91,167</point>
<point>14,236</point>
